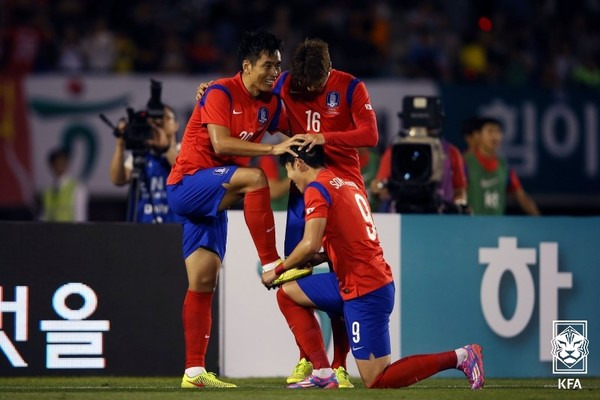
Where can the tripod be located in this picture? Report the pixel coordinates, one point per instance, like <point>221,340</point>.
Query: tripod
<point>133,196</point>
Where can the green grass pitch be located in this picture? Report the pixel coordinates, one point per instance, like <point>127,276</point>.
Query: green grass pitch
<point>167,388</point>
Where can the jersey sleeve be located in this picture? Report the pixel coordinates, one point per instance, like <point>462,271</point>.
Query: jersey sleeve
<point>514,184</point>
<point>315,204</point>
<point>366,133</point>
<point>216,106</point>
<point>283,124</point>
<point>459,178</point>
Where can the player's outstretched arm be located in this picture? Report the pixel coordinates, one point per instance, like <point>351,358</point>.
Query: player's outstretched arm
<point>224,144</point>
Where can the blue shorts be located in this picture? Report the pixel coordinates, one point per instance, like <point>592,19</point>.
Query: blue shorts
<point>294,226</point>
<point>367,322</point>
<point>324,291</point>
<point>196,199</point>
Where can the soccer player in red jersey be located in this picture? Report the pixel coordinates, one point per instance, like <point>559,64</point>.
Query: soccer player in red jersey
<point>209,175</point>
<point>338,217</point>
<point>330,107</point>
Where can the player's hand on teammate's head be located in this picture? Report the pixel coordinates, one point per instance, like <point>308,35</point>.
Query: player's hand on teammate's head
<point>201,89</point>
<point>310,141</point>
<point>285,146</point>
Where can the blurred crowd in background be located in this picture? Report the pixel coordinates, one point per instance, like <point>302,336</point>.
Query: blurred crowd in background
<point>547,43</point>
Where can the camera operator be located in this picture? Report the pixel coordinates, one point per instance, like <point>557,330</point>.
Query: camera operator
<point>152,206</point>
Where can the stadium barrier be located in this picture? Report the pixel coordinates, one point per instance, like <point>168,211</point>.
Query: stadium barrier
<point>499,281</point>
<point>106,298</point>
<point>98,299</point>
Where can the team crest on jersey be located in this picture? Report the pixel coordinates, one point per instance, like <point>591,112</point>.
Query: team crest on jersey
<point>263,115</point>
<point>333,99</point>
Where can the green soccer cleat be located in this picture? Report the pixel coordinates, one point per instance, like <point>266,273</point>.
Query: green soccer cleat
<point>204,380</point>
<point>291,275</point>
<point>301,371</point>
<point>343,378</point>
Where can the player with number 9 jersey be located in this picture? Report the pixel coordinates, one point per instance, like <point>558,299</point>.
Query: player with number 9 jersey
<point>350,239</point>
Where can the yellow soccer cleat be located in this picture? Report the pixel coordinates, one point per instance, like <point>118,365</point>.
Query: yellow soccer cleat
<point>343,378</point>
<point>291,275</point>
<point>301,371</point>
<point>204,380</point>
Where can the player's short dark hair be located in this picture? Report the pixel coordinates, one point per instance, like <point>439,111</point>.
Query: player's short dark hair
<point>310,63</point>
<point>489,120</point>
<point>255,43</point>
<point>470,126</point>
<point>314,158</point>
<point>60,152</point>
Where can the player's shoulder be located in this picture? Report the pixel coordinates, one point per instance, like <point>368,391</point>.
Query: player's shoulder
<point>342,78</point>
<point>220,88</point>
<point>282,84</point>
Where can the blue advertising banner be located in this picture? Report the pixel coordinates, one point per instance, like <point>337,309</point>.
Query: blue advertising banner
<point>550,138</point>
<point>502,282</point>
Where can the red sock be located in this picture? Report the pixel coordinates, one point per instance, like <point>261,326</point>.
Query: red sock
<point>413,369</point>
<point>306,329</point>
<point>341,346</point>
<point>261,224</point>
<point>302,352</point>
<point>197,321</point>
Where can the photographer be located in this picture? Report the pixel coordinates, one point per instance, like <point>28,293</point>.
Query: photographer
<point>155,165</point>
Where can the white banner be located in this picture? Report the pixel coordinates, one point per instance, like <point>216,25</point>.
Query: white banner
<point>255,338</point>
<point>65,109</point>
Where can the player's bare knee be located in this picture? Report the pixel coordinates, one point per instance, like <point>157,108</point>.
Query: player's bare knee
<point>257,179</point>
<point>204,284</point>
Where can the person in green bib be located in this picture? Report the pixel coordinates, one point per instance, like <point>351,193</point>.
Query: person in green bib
<point>489,178</point>
<point>66,199</point>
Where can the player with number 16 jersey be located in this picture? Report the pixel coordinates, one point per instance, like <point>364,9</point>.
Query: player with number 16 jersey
<point>341,111</point>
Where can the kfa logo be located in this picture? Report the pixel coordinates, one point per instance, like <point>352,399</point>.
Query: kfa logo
<point>569,383</point>
<point>333,99</point>
<point>569,347</point>
<point>263,115</point>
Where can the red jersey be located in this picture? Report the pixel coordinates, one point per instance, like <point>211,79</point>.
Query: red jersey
<point>350,238</point>
<point>227,103</point>
<point>342,112</point>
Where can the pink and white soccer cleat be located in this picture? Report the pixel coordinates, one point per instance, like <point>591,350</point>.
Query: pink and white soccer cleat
<point>312,381</point>
<point>473,366</point>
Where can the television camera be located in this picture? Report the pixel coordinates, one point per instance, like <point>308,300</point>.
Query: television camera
<point>418,157</point>
<point>137,130</point>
